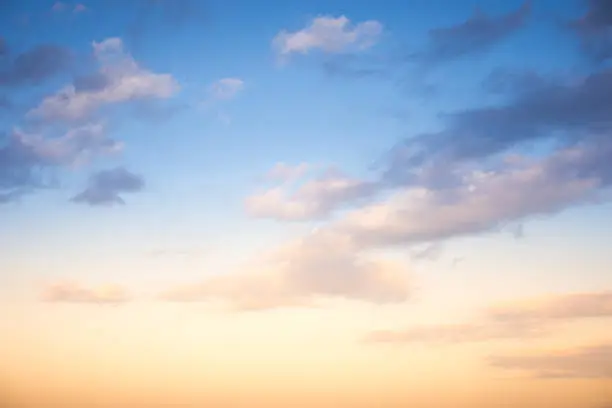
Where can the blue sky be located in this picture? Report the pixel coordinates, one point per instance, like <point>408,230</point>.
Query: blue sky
<point>412,163</point>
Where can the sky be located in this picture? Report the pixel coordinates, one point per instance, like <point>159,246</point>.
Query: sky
<point>327,203</point>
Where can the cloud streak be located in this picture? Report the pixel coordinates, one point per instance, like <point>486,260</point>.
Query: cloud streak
<point>70,292</point>
<point>519,320</point>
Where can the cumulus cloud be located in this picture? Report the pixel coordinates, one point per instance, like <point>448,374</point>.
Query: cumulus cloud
<point>310,199</point>
<point>33,66</point>
<point>319,266</point>
<point>586,362</point>
<point>119,80</point>
<point>330,35</point>
<point>70,292</point>
<point>106,187</point>
<point>517,320</point>
<point>283,172</point>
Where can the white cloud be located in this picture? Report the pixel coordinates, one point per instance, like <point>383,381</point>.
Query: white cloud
<point>330,35</point>
<point>314,198</point>
<point>70,292</point>
<point>319,266</point>
<point>119,80</point>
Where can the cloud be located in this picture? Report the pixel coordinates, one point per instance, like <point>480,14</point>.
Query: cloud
<point>315,267</point>
<point>106,187</point>
<point>586,362</point>
<point>79,8</point>
<point>572,306</point>
<point>119,80</point>
<point>312,199</point>
<point>477,34</point>
<point>226,88</point>
<point>484,200</point>
<point>456,333</point>
<point>517,320</point>
<point>26,159</point>
<point>330,35</point>
<point>70,292</point>
<point>594,29</point>
<point>564,112</point>
<point>33,66</point>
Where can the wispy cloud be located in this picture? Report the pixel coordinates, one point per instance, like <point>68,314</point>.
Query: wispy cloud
<point>518,320</point>
<point>71,292</point>
<point>34,66</point>
<point>586,362</point>
<point>316,267</point>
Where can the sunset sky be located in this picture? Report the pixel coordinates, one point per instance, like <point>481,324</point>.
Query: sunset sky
<point>339,203</point>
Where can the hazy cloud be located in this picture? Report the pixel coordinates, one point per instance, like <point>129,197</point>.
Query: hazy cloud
<point>106,187</point>
<point>586,362</point>
<point>70,292</point>
<point>330,35</point>
<point>119,80</point>
<point>318,266</point>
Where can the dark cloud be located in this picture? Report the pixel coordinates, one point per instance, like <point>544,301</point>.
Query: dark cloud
<point>3,47</point>
<point>477,34</point>
<point>594,29</point>
<point>27,160</point>
<point>586,362</point>
<point>105,187</point>
<point>153,15</point>
<point>559,111</point>
<point>92,82</point>
<point>35,65</point>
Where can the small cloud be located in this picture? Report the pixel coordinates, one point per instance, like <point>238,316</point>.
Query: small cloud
<point>70,292</point>
<point>585,362</point>
<point>106,187</point>
<point>79,8</point>
<point>330,35</point>
<point>58,6</point>
<point>226,88</point>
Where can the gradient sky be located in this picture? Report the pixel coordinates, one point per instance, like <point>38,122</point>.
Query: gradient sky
<point>323,203</point>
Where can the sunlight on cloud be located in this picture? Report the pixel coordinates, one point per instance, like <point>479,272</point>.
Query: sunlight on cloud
<point>71,292</point>
<point>329,34</point>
